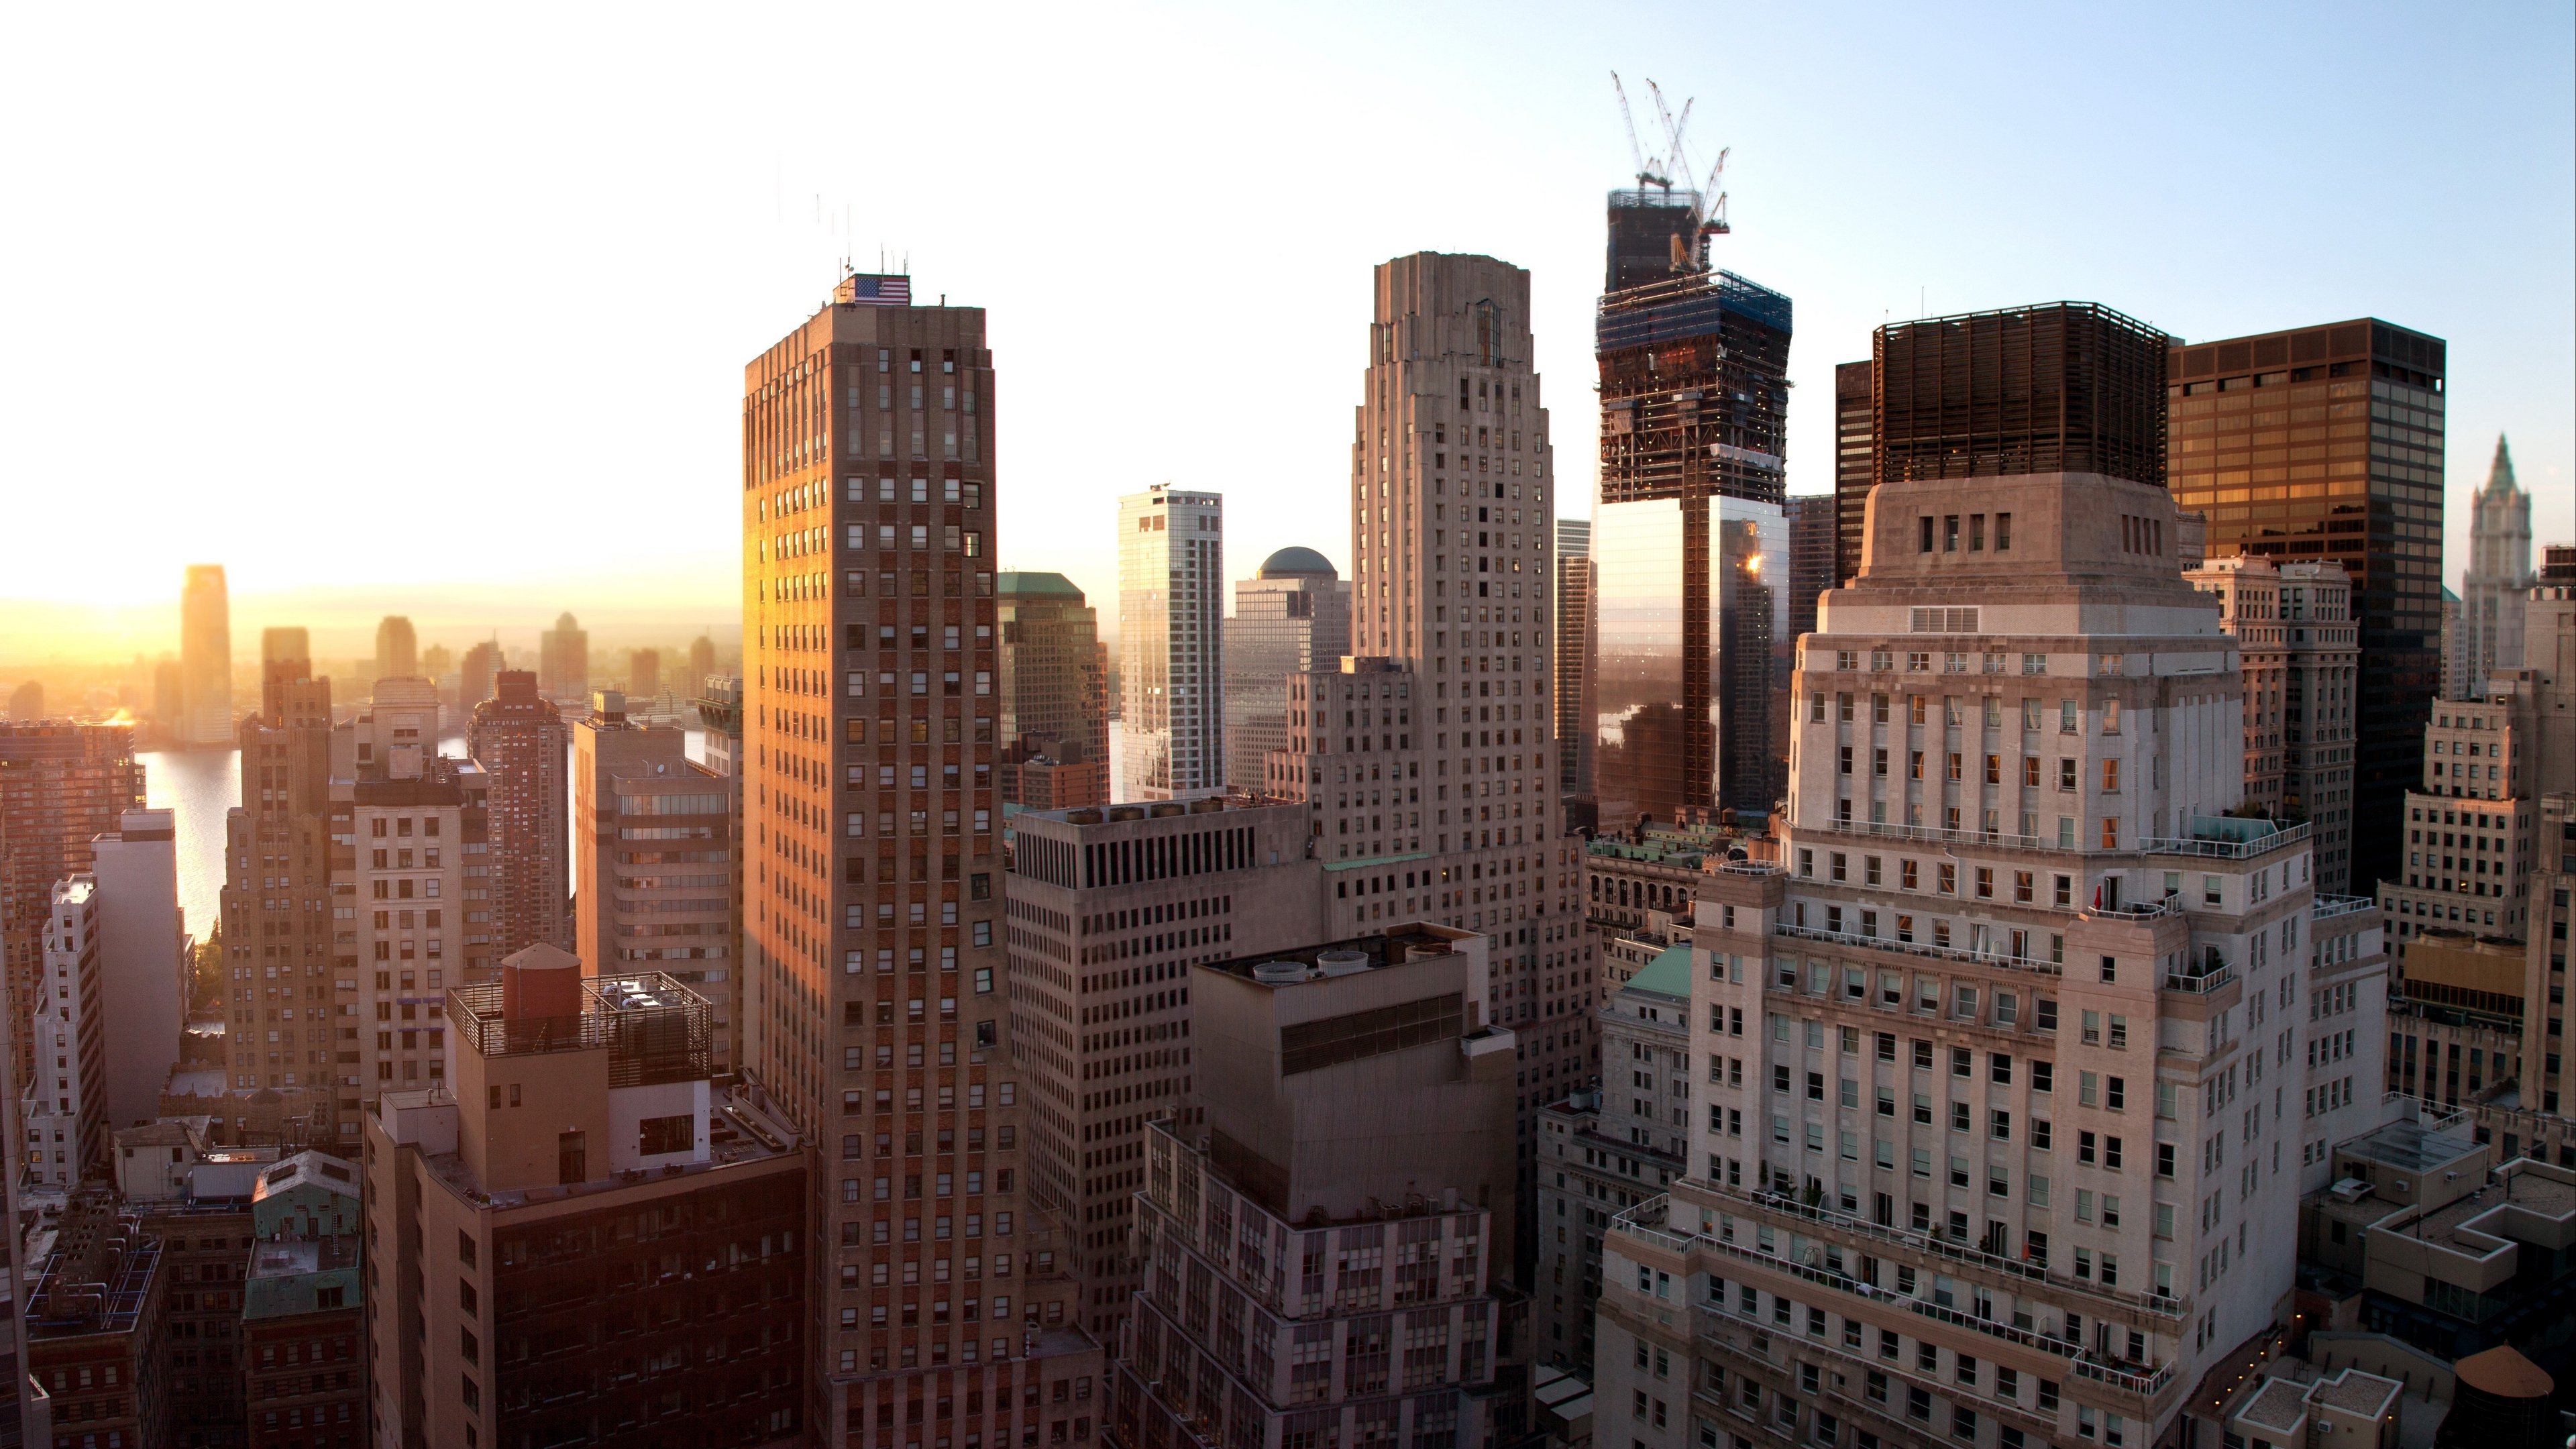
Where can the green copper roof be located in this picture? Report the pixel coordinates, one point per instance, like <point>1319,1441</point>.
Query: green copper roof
<point>1667,975</point>
<point>1053,586</point>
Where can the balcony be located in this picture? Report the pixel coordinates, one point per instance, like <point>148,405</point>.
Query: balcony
<point>2214,973</point>
<point>2328,906</point>
<point>1936,835</point>
<point>1646,1222</point>
<point>2226,838</point>
<point>1916,948</point>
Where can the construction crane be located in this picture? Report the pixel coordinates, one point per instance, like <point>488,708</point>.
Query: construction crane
<point>1708,203</point>
<point>1647,174</point>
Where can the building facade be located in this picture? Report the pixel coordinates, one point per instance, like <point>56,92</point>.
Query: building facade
<point>1054,699</point>
<point>1291,616</point>
<point>65,1110</point>
<point>2345,462</point>
<point>2293,626</point>
<point>397,649</point>
<point>2495,588</point>
<point>1108,909</point>
<point>1993,1172</point>
<point>291,922</point>
<point>1812,544</point>
<point>411,838</point>
<point>1575,591</point>
<point>1358,1121</point>
<point>1171,643</point>
<point>520,740</point>
<point>876,988</point>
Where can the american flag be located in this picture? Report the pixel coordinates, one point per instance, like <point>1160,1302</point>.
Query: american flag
<point>875,291</point>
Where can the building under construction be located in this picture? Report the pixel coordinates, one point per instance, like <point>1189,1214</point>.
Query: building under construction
<point>1689,537</point>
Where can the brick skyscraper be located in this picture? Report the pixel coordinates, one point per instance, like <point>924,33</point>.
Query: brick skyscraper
<point>285,945</point>
<point>519,738</point>
<point>873,948</point>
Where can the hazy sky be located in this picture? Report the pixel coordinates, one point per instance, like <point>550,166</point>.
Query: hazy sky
<point>351,303</point>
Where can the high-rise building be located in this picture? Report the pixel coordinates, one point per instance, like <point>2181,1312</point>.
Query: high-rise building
<point>206,658</point>
<point>436,661</point>
<point>702,662</point>
<point>584,1136</point>
<point>406,707</point>
<point>1451,534</point>
<point>1110,909</point>
<point>417,825</point>
<point>64,1113</point>
<point>1691,546</point>
<point>62,786</point>
<point>147,959</point>
<point>1812,542</point>
<point>397,648</point>
<point>876,973</point>
<point>519,738</point>
<point>27,701</point>
<point>1054,701</point>
<point>661,901</point>
<point>1354,1115</point>
<point>2498,580</point>
<point>644,676</point>
<point>2063,387</point>
<point>1855,462</point>
<point>1575,591</point>
<point>1293,615</point>
<point>563,661</point>
<point>2345,462</point>
<point>474,676</point>
<point>1171,669</point>
<point>291,941</point>
<point>2295,640</point>
<point>2052,1244</point>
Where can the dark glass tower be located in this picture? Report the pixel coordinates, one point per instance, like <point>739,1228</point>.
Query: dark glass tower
<point>2326,443</point>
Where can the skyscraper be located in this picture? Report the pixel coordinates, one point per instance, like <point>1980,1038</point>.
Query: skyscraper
<point>519,738</point>
<point>1690,546</point>
<point>2497,584</point>
<point>1855,464</point>
<point>563,661</point>
<point>283,938</point>
<point>875,970</point>
<point>1452,537</point>
<point>1054,702</point>
<point>702,663</point>
<point>2060,1252</point>
<point>1293,614</point>
<point>1171,611</point>
<point>2326,442</point>
<point>397,648</point>
<point>206,658</point>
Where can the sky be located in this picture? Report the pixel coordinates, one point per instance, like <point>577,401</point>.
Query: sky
<point>443,311</point>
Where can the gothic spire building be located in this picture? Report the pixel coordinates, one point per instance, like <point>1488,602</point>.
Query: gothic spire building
<point>2495,587</point>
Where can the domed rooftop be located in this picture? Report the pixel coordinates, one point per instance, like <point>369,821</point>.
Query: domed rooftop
<point>1292,561</point>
